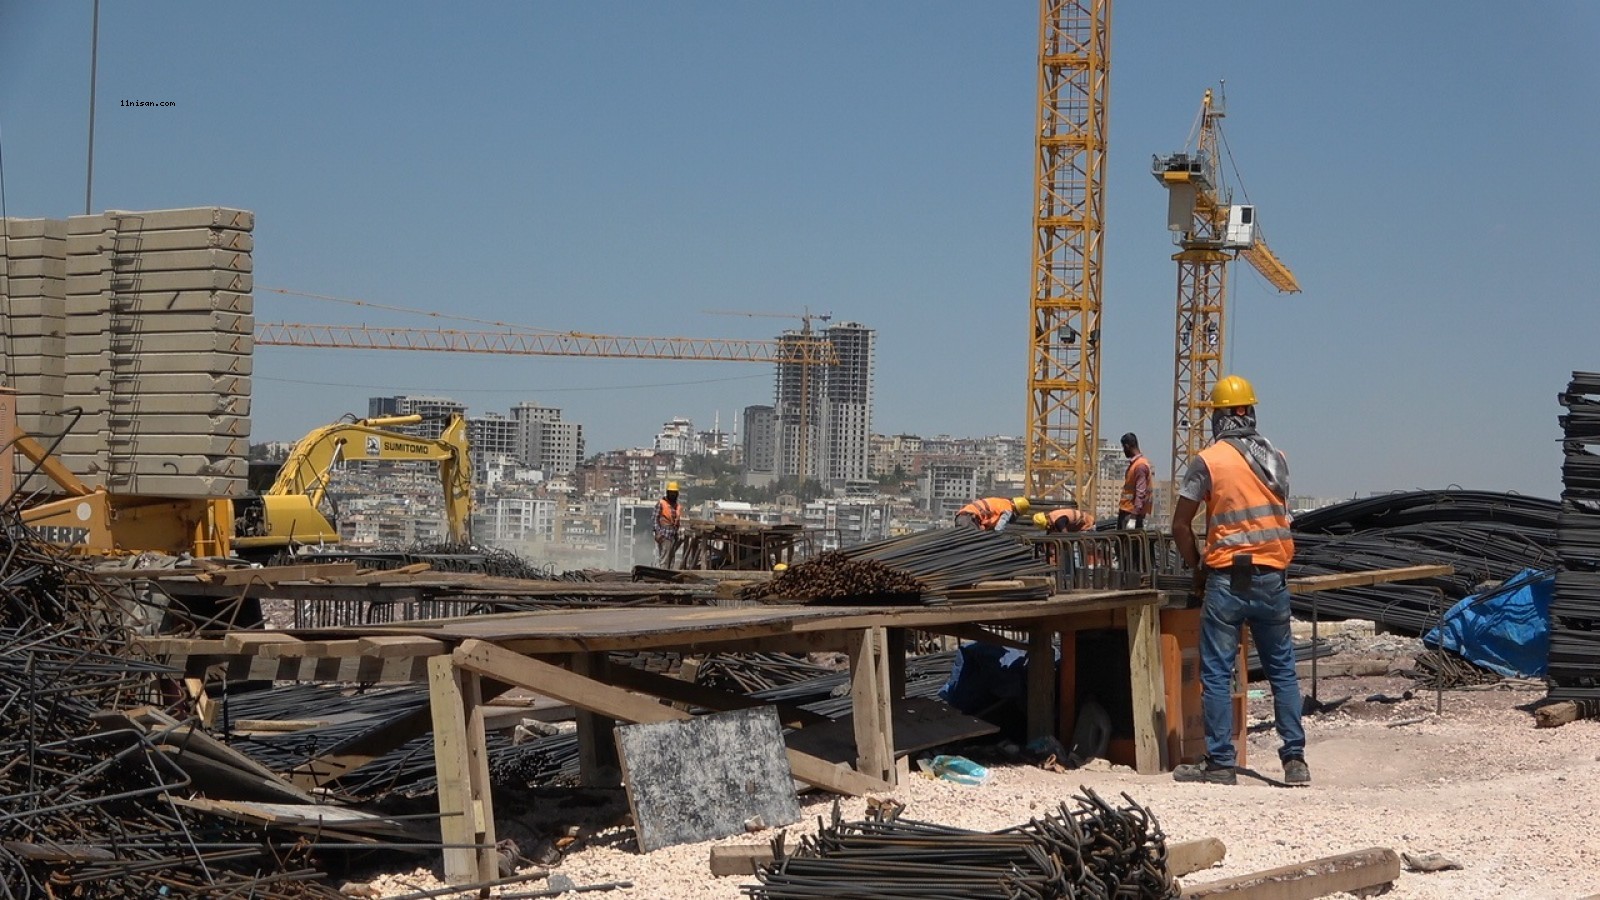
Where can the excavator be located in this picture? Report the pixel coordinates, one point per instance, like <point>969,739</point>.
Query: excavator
<point>287,514</point>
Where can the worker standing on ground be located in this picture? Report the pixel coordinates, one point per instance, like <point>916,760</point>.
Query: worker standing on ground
<point>1244,483</point>
<point>665,523</point>
<point>992,513</point>
<point>1137,497</point>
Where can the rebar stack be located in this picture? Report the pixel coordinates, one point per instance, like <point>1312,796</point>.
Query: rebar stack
<point>1575,610</point>
<point>1093,850</point>
<point>86,811</point>
<point>945,559</point>
<point>834,576</point>
<point>1484,536</point>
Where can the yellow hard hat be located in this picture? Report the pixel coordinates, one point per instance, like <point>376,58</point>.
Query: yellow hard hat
<point>672,485</point>
<point>781,567</point>
<point>1041,520</point>
<point>1232,391</point>
<point>1021,503</point>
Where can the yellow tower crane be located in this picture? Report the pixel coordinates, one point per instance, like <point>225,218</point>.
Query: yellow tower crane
<point>1069,203</point>
<point>1210,231</point>
<point>808,346</point>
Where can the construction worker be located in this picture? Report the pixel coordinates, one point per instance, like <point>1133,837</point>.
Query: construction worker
<point>1066,520</point>
<point>669,513</point>
<point>1137,497</point>
<point>992,513</point>
<point>1243,481</point>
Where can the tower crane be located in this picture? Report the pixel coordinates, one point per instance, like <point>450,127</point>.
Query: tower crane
<point>811,345</point>
<point>1069,198</point>
<point>1210,231</point>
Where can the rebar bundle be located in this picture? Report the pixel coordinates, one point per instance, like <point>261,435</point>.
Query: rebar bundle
<point>86,811</point>
<point>834,576</point>
<point>1575,610</point>
<point>1090,850</point>
<point>944,559</point>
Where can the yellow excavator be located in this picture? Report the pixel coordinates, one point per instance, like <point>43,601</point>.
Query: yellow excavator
<point>287,514</point>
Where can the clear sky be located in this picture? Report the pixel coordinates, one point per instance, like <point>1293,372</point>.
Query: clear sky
<point>1427,170</point>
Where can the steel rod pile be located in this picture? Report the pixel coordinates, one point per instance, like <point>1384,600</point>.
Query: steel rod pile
<point>86,811</point>
<point>945,559</point>
<point>834,576</point>
<point>1486,537</point>
<point>1575,610</point>
<point>1092,850</point>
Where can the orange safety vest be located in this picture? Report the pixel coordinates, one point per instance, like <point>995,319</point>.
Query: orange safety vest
<point>1242,513</point>
<point>1075,520</point>
<point>667,514</point>
<point>1129,493</point>
<point>988,511</point>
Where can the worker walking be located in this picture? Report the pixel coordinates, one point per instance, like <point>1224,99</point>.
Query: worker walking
<point>1137,497</point>
<point>1244,483</point>
<point>992,513</point>
<point>669,513</point>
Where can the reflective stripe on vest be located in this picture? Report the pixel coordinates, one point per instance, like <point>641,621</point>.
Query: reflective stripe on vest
<point>1242,514</point>
<point>1073,519</point>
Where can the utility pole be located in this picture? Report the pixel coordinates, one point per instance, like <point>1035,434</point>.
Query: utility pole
<point>94,65</point>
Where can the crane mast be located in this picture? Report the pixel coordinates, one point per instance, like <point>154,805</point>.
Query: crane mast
<point>1211,231</point>
<point>1069,196</point>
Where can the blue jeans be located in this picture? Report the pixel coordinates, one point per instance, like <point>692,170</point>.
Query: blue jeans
<point>1266,608</point>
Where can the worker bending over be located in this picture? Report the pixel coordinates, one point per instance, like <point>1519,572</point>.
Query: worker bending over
<point>992,513</point>
<point>665,523</point>
<point>1244,483</point>
<point>1066,520</point>
<point>1137,497</point>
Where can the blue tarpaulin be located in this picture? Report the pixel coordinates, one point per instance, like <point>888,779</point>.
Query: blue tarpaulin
<point>1506,630</point>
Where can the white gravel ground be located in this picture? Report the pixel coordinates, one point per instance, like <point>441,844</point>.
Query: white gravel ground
<point>1514,805</point>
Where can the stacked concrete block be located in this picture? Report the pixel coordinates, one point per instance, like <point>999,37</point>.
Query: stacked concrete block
<point>33,356</point>
<point>158,338</point>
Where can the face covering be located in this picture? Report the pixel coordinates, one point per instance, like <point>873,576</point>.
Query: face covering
<point>1239,431</point>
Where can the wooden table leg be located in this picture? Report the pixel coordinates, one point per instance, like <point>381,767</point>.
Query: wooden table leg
<point>1041,679</point>
<point>598,765</point>
<point>1149,690</point>
<point>869,695</point>
<point>461,761</point>
<point>897,662</point>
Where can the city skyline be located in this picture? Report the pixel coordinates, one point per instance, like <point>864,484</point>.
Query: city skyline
<point>886,179</point>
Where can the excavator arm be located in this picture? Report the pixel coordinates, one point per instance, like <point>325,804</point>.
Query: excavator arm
<point>291,509</point>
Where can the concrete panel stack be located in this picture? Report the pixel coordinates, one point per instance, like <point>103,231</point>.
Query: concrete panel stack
<point>33,282</point>
<point>159,335</point>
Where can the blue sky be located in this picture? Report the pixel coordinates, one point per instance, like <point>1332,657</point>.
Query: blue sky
<point>618,167</point>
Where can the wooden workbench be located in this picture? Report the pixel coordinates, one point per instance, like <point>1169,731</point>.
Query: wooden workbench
<point>563,654</point>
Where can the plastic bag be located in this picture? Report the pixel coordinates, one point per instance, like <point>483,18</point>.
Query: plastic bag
<point>960,770</point>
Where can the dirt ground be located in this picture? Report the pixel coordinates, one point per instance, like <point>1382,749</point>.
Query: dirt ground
<point>1477,783</point>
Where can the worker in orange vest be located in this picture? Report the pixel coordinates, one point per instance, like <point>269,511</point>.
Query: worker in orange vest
<point>668,515</point>
<point>1066,520</point>
<point>992,513</point>
<point>1137,497</point>
<point>1244,483</point>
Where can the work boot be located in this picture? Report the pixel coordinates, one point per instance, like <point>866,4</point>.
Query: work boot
<point>1295,771</point>
<point>1205,772</point>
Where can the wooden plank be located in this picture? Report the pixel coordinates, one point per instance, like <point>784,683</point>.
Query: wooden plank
<point>364,669</point>
<point>362,749</point>
<point>302,816</point>
<point>252,642</point>
<point>598,765</point>
<point>740,859</point>
<point>165,730</point>
<point>895,654</point>
<point>1311,583</point>
<point>275,574</point>
<point>469,852</point>
<point>1554,715</point>
<point>1042,708</point>
<point>1347,872</point>
<point>393,646</point>
<point>222,779</point>
<point>1192,856</point>
<point>869,701</point>
<point>978,633</point>
<point>746,777</point>
<point>691,694</point>
<point>159,647</point>
<point>1149,690</point>
<point>554,681</point>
